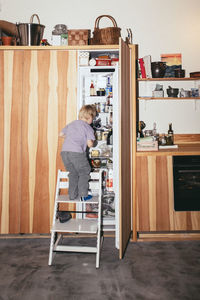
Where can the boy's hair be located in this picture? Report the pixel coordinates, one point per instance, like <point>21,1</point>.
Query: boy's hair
<point>87,111</point>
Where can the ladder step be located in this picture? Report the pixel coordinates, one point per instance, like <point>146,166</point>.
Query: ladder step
<point>65,199</point>
<point>76,225</point>
<point>75,249</point>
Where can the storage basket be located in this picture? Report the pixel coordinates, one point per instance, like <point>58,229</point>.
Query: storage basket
<point>106,36</point>
<point>78,37</point>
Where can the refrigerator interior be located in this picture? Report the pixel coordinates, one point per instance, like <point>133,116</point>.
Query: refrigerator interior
<point>98,85</point>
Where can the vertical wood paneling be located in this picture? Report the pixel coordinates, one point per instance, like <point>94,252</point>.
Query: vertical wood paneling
<point>67,100</point>
<point>15,144</point>
<point>143,193</point>
<point>8,75</point>
<point>152,192</point>
<point>71,83</point>
<point>30,138</point>
<point>41,195</point>
<point>162,204</point>
<point>195,220</point>
<point>52,126</point>
<point>38,97</point>
<point>170,192</point>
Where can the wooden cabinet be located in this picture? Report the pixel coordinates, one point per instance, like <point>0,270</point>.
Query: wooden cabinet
<point>38,96</point>
<point>153,196</point>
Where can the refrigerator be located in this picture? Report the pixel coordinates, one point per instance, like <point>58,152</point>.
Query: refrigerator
<point>98,86</point>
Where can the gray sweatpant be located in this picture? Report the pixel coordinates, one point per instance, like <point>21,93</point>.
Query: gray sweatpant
<point>79,173</point>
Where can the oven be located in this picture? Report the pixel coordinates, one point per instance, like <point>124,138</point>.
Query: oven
<point>186,176</point>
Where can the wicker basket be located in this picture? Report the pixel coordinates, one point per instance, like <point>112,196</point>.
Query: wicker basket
<point>78,37</point>
<point>105,36</point>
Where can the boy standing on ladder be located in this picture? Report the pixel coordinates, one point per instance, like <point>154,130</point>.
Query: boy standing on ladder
<point>78,136</point>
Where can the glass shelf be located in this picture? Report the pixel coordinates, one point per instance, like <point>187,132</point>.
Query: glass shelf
<point>169,79</point>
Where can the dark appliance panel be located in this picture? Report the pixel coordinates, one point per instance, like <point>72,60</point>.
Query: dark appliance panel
<point>186,174</point>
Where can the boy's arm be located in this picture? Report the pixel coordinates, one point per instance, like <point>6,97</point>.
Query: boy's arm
<point>90,143</point>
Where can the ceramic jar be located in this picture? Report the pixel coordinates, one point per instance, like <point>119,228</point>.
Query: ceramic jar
<point>158,69</point>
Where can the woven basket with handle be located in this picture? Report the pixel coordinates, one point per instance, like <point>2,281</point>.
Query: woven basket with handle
<point>105,36</point>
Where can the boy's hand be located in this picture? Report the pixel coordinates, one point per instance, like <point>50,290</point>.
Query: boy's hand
<point>90,143</point>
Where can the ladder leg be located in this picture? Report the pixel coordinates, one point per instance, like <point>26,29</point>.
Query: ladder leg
<point>98,249</point>
<point>51,254</point>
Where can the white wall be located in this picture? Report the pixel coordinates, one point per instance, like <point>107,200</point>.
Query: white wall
<point>158,26</point>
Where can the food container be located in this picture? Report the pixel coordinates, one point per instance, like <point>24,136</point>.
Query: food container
<point>95,153</point>
<point>195,74</point>
<point>84,58</point>
<point>179,73</point>
<point>158,94</point>
<point>101,92</point>
<point>98,135</point>
<point>114,61</point>
<point>96,163</point>
<point>78,37</point>
<point>103,62</point>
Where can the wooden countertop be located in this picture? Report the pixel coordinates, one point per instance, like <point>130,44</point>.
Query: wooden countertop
<point>183,149</point>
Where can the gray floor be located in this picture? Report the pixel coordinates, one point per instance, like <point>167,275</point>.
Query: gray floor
<point>150,270</point>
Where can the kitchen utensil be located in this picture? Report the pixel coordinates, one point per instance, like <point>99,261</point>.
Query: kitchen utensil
<point>30,34</point>
<point>172,92</point>
<point>158,69</point>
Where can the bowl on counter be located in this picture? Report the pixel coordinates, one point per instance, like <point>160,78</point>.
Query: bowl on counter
<point>172,92</point>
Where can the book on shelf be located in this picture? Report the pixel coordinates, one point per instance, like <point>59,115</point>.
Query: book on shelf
<point>142,67</point>
<point>147,65</point>
<point>147,144</point>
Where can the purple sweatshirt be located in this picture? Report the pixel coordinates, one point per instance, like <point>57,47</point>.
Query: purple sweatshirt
<point>77,133</point>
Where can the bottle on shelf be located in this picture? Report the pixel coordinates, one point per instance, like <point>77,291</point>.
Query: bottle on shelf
<point>154,129</point>
<point>109,180</point>
<point>92,89</point>
<point>110,137</point>
<point>108,87</point>
<point>170,138</point>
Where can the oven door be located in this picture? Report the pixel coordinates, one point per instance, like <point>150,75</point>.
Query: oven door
<point>186,187</point>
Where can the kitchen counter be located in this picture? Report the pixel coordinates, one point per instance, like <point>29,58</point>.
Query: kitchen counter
<point>183,149</point>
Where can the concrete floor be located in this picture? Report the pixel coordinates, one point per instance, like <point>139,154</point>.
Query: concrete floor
<point>150,270</point>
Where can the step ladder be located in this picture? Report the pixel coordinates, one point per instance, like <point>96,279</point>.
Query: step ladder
<point>78,225</point>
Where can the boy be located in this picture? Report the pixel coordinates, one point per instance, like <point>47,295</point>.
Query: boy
<point>78,135</point>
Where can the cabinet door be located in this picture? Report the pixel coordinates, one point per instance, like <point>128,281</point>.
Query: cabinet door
<point>49,102</point>
<point>11,64</point>
<point>38,97</point>
<point>125,149</point>
<point>155,193</point>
